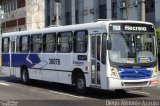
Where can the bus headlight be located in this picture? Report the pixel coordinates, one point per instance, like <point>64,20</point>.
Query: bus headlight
<point>155,72</point>
<point>114,73</point>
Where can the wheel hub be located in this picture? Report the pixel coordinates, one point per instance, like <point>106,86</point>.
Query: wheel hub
<point>80,83</point>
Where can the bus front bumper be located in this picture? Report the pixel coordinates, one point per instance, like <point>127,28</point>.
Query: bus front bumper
<point>127,84</point>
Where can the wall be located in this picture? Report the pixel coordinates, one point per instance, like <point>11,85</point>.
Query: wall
<point>88,17</point>
<point>130,10</point>
<point>157,13</point>
<point>35,14</point>
<point>14,17</point>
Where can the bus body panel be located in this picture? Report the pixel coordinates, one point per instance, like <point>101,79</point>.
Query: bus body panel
<point>6,70</point>
<point>18,72</point>
<point>129,84</point>
<point>64,67</point>
<point>50,75</point>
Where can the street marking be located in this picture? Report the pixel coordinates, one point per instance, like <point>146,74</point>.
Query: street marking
<point>65,94</point>
<point>5,84</point>
<point>140,92</point>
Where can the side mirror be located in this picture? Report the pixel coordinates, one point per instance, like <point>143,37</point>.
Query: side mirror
<point>109,45</point>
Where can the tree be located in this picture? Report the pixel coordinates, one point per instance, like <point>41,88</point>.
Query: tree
<point>158,34</point>
<point>158,41</point>
<point>158,37</point>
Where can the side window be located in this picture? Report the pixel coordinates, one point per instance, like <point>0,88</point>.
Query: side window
<point>24,44</point>
<point>93,40</point>
<point>36,43</point>
<point>64,42</point>
<point>80,41</point>
<point>17,44</point>
<point>5,45</point>
<point>104,48</point>
<point>98,47</point>
<point>49,43</point>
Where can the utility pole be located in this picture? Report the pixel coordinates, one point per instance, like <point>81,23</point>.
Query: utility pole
<point>1,17</point>
<point>57,12</point>
<point>126,4</point>
<point>143,15</point>
<point>73,11</point>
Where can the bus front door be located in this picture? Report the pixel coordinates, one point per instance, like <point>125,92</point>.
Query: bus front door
<point>12,53</point>
<point>95,59</point>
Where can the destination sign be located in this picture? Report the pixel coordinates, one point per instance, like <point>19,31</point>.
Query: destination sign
<point>116,27</point>
<point>133,28</point>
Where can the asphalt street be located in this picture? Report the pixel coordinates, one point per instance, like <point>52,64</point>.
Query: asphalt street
<point>49,94</point>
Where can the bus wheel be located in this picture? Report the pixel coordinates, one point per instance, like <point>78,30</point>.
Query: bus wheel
<point>25,76</point>
<point>80,84</point>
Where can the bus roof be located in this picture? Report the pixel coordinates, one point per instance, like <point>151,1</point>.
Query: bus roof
<point>93,25</point>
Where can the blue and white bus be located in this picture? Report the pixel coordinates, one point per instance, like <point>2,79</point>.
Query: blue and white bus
<point>108,55</point>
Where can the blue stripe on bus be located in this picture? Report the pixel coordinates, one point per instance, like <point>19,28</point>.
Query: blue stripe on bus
<point>20,59</point>
<point>5,60</point>
<point>134,74</point>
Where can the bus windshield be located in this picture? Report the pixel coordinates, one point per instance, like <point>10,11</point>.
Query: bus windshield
<point>132,48</point>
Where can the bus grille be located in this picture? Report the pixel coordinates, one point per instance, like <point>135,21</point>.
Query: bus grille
<point>136,83</point>
<point>133,74</point>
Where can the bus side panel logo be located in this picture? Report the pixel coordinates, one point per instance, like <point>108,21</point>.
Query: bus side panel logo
<point>78,63</point>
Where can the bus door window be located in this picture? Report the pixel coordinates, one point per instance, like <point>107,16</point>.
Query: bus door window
<point>95,62</point>
<point>93,47</point>
<point>98,58</point>
<point>98,47</point>
<point>103,51</point>
<point>17,44</point>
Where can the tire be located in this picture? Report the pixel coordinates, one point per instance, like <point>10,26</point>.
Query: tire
<point>25,76</point>
<point>80,85</point>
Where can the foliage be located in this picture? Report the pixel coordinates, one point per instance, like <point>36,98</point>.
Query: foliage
<point>158,38</point>
<point>158,33</point>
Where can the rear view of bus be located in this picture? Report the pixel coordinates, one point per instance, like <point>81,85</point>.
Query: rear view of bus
<point>132,55</point>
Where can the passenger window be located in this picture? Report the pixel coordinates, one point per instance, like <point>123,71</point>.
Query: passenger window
<point>64,41</point>
<point>98,47</point>
<point>5,45</point>
<point>80,41</point>
<point>24,44</point>
<point>36,43</point>
<point>104,48</point>
<point>17,44</point>
<point>49,43</point>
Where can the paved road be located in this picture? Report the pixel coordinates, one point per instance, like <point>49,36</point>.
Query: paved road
<point>44,93</point>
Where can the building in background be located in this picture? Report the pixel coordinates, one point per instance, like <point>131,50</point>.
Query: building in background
<point>14,17</point>
<point>23,15</point>
<point>34,14</point>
